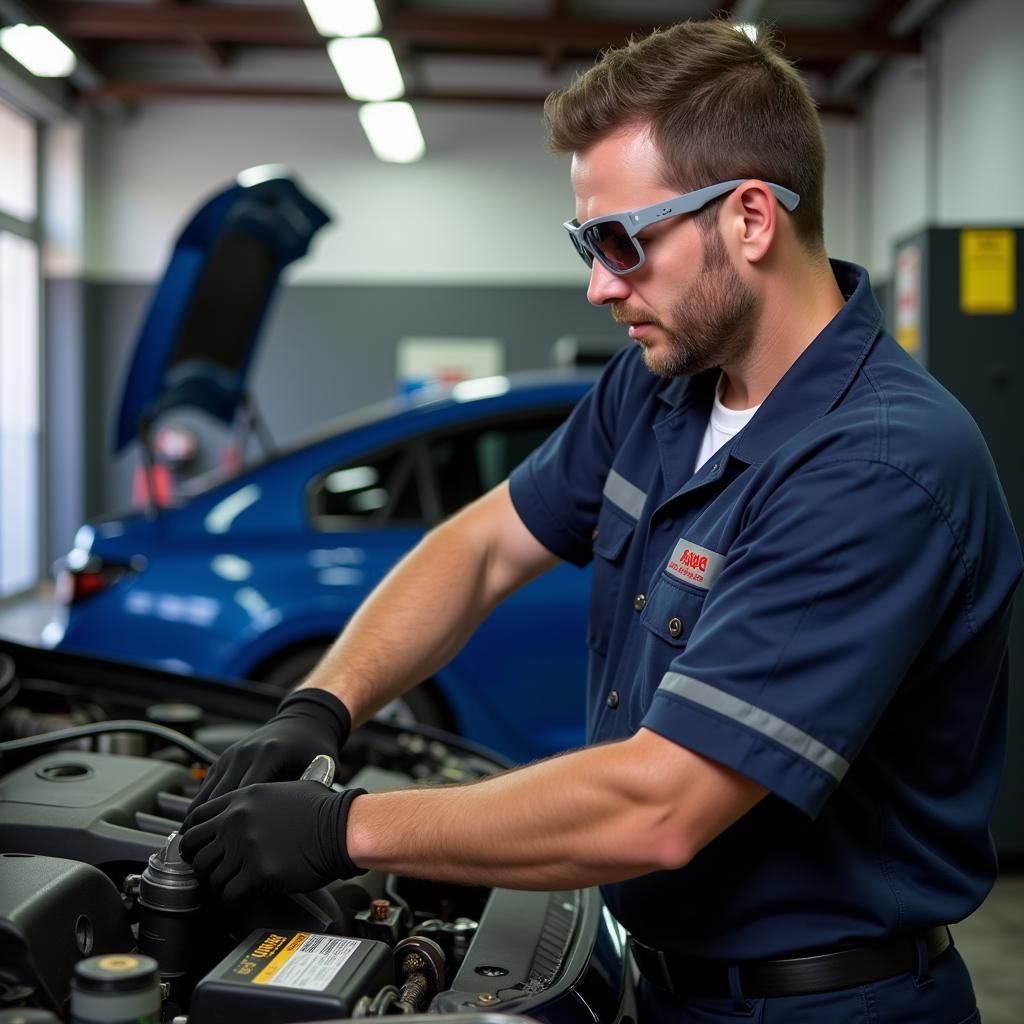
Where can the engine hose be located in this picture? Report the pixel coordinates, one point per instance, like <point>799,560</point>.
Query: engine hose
<point>49,739</point>
<point>382,1001</point>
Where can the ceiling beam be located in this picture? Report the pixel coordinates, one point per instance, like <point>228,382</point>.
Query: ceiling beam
<point>291,26</point>
<point>182,23</point>
<point>584,37</point>
<point>127,90</point>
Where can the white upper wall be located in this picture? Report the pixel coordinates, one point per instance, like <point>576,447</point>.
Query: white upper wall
<point>485,205</point>
<point>944,132</point>
<point>940,142</point>
<point>981,124</point>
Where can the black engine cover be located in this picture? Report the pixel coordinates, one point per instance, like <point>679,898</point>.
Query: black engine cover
<point>52,913</point>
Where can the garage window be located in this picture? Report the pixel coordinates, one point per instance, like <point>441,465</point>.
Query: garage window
<point>19,355</point>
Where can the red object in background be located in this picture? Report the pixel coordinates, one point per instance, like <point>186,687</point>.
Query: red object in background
<point>163,486</point>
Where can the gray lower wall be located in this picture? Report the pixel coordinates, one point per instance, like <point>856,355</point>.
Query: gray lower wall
<point>326,350</point>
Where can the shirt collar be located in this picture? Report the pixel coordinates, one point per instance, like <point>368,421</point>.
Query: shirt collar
<point>814,384</point>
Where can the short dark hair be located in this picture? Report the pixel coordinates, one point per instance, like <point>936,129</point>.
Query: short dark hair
<point>719,104</point>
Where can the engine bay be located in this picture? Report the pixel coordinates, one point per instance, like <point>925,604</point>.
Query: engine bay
<point>102,920</point>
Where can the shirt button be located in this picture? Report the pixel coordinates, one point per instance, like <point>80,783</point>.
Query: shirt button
<point>675,627</point>
<point>639,601</point>
<point>613,699</point>
<point>593,534</point>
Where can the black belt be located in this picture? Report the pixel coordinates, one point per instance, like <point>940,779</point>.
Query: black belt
<point>792,976</point>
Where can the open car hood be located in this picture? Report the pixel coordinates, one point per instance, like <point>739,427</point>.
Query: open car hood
<point>98,763</point>
<point>199,335</point>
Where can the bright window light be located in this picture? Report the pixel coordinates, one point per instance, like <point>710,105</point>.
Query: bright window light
<point>344,17</point>
<point>39,50</point>
<point>264,172</point>
<point>367,68</point>
<point>748,29</point>
<point>354,479</point>
<point>393,131</point>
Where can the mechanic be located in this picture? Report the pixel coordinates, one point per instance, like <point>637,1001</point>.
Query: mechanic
<point>803,574</point>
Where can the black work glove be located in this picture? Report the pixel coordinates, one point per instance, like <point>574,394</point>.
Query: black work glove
<point>308,722</point>
<point>271,837</point>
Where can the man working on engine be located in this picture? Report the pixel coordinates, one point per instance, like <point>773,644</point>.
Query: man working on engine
<point>803,575</point>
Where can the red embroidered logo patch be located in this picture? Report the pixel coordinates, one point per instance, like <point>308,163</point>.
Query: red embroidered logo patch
<point>694,564</point>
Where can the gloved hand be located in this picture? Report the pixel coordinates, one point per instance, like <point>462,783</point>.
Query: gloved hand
<point>308,722</point>
<point>271,837</point>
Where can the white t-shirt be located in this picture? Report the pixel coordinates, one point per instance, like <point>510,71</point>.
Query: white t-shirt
<point>723,425</point>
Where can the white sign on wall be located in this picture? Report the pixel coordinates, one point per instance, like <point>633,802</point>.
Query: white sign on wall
<point>447,360</point>
<point>908,299</point>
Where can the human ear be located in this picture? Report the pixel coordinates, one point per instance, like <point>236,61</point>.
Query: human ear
<point>754,216</point>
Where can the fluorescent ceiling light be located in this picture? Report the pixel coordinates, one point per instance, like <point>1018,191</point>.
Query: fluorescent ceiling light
<point>747,28</point>
<point>39,50</point>
<point>367,68</point>
<point>393,131</point>
<point>344,17</point>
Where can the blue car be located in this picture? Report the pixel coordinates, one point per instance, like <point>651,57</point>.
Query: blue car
<point>253,576</point>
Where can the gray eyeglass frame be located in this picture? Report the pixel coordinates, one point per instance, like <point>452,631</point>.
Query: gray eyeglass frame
<point>634,221</point>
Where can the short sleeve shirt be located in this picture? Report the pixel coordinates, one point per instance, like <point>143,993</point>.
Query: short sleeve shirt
<point>823,607</point>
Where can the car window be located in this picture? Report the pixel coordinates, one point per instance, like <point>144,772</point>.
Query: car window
<point>376,490</point>
<point>469,463</point>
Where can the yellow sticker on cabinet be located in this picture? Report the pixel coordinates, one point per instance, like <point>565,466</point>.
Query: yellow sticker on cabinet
<point>988,271</point>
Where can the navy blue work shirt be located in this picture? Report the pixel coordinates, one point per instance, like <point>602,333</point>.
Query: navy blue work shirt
<point>823,607</point>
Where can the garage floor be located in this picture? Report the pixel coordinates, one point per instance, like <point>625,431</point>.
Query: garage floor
<point>991,940</point>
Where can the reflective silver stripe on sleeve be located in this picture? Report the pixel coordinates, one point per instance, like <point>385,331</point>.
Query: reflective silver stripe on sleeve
<point>788,736</point>
<point>619,491</point>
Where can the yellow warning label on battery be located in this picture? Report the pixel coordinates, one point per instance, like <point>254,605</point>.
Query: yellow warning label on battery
<point>267,974</point>
<point>988,271</point>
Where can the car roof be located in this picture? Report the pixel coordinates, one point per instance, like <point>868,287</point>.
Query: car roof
<point>522,390</point>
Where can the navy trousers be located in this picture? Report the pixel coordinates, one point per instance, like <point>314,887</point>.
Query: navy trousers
<point>941,993</point>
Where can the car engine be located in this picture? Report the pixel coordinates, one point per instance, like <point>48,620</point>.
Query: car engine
<point>101,920</point>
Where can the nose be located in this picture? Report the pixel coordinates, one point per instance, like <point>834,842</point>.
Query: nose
<point>605,286</point>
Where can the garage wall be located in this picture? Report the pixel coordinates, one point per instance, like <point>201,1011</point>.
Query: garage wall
<point>486,204</point>
<point>942,136</point>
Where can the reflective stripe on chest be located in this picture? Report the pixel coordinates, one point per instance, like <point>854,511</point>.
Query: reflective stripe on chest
<point>698,566</point>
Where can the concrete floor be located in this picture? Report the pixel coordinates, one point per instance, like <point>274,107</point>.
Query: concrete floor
<point>991,940</point>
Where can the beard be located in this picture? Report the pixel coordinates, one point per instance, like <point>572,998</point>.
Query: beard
<point>712,322</point>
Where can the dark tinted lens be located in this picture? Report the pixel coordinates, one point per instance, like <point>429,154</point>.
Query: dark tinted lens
<point>611,241</point>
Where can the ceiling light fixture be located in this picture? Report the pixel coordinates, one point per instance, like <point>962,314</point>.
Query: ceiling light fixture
<point>393,131</point>
<point>344,17</point>
<point>39,50</point>
<point>367,68</point>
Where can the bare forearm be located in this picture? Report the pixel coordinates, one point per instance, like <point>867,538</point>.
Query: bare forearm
<point>593,816</point>
<point>426,608</point>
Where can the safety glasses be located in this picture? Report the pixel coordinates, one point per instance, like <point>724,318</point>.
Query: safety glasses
<point>612,239</point>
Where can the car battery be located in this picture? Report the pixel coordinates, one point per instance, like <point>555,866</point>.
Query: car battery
<point>282,975</point>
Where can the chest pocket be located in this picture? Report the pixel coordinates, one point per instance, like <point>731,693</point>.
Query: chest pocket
<point>669,618</point>
<point>672,610</point>
<point>614,532</point>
